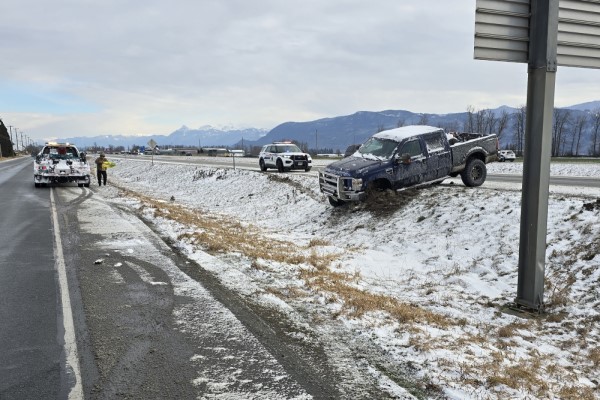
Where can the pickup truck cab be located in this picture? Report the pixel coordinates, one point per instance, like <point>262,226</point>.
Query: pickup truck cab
<point>405,157</point>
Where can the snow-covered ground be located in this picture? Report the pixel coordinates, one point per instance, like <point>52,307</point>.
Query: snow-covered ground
<point>424,277</point>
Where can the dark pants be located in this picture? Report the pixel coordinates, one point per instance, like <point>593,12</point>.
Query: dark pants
<point>101,177</point>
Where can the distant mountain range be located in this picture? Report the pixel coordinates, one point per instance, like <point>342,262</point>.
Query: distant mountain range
<point>206,136</point>
<point>333,134</point>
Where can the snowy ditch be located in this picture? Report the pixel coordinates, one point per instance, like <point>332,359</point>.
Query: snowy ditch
<point>423,276</point>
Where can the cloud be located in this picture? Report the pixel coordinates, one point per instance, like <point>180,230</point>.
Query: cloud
<point>147,66</point>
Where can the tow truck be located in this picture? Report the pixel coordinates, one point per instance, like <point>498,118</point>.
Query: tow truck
<point>60,163</point>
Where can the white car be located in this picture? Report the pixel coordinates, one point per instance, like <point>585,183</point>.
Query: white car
<point>284,156</point>
<point>506,155</point>
<point>60,163</point>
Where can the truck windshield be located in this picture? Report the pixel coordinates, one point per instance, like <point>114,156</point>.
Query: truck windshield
<point>380,149</point>
<point>61,153</point>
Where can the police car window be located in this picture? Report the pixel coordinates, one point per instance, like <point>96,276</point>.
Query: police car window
<point>413,148</point>
<point>434,142</point>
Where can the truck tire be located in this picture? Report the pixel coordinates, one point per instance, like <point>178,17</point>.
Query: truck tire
<point>335,202</point>
<point>474,173</point>
<point>280,166</point>
<point>263,167</point>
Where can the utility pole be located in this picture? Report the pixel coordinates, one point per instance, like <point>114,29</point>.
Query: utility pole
<point>11,138</point>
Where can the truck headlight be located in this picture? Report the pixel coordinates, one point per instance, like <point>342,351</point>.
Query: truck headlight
<point>352,184</point>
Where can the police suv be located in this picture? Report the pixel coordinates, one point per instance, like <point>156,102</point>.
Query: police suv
<point>284,156</point>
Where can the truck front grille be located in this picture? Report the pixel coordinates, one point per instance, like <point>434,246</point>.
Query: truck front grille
<point>329,183</point>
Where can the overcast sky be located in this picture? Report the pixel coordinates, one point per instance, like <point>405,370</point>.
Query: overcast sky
<point>91,67</point>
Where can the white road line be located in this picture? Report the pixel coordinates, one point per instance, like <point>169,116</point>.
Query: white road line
<point>72,358</point>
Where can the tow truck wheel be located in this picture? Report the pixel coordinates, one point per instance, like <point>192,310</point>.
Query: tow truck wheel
<point>280,166</point>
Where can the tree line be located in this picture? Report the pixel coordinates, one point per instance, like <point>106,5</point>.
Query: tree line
<point>571,130</point>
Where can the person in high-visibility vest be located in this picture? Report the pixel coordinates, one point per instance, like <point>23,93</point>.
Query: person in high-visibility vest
<point>101,166</point>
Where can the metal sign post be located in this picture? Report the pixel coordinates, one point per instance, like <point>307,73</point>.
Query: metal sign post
<point>537,151</point>
<point>544,34</point>
<point>152,145</point>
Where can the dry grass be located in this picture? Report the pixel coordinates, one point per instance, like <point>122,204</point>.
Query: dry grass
<point>522,375</point>
<point>510,329</point>
<point>577,393</point>
<point>218,234</point>
<point>221,234</point>
<point>594,356</point>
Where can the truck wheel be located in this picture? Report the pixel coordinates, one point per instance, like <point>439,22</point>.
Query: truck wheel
<point>307,169</point>
<point>280,166</point>
<point>335,202</point>
<point>37,185</point>
<point>474,173</point>
<point>262,165</point>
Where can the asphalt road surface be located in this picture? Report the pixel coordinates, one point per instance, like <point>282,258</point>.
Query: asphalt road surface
<point>32,358</point>
<point>95,305</point>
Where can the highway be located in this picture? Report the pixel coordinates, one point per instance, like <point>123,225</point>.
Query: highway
<point>251,163</point>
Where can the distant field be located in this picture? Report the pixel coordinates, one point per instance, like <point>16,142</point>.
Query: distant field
<point>572,159</point>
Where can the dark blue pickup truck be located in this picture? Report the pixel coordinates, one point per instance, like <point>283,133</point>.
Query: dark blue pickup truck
<point>408,156</point>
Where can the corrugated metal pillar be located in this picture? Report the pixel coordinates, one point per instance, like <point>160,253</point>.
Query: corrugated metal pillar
<point>538,145</point>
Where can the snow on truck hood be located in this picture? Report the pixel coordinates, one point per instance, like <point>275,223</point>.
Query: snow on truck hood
<point>352,163</point>
<point>404,132</point>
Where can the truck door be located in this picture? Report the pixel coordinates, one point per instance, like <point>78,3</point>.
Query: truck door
<point>439,159</point>
<point>272,156</point>
<point>411,170</point>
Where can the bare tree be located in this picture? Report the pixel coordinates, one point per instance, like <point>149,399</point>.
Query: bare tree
<point>470,120</point>
<point>424,120</point>
<point>400,123</point>
<point>559,130</point>
<point>480,117</point>
<point>502,123</point>
<point>596,132</point>
<point>580,124</point>
<point>489,121</point>
<point>519,127</point>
